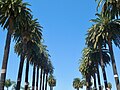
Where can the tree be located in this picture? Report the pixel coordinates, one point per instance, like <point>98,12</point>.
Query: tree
<point>27,38</point>
<point>89,64</point>
<point>105,31</point>
<point>8,83</point>
<point>51,81</point>
<point>96,60</point>
<point>109,85</point>
<point>48,70</point>
<point>87,67</point>
<point>77,83</point>
<point>9,12</point>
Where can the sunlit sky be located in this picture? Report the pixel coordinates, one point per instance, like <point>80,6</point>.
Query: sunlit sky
<point>65,23</point>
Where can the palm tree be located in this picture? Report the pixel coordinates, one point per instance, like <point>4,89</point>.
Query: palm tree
<point>34,53</point>
<point>32,35</point>
<point>43,64</point>
<point>9,11</point>
<point>77,83</point>
<point>105,31</point>
<point>8,83</point>
<point>87,67</point>
<point>97,43</point>
<point>110,8</point>
<point>48,70</point>
<point>96,58</point>
<point>45,58</point>
<point>33,50</point>
<point>90,61</point>
<point>51,81</point>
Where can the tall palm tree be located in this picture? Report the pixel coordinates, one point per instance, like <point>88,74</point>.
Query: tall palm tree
<point>105,31</point>
<point>87,67</point>
<point>33,50</point>
<point>34,56</point>
<point>77,83</point>
<point>9,11</point>
<point>48,70</point>
<point>96,58</point>
<point>32,35</point>
<point>51,81</point>
<point>97,43</point>
<point>43,64</point>
<point>90,61</point>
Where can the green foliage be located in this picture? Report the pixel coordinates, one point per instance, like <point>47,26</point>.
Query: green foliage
<point>77,83</point>
<point>109,7</point>
<point>109,85</point>
<point>103,29</point>
<point>11,9</point>
<point>91,58</point>
<point>86,65</point>
<point>9,83</point>
<point>51,81</point>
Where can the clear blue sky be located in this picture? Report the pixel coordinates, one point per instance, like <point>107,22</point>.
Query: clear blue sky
<point>65,23</point>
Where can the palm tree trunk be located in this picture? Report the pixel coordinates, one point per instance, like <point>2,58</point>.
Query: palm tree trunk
<point>33,81</point>
<point>5,57</point>
<point>41,78</point>
<point>26,74</point>
<point>98,77</point>
<point>105,77</point>
<point>46,81</point>
<point>88,82</point>
<point>37,78</point>
<point>77,88</point>
<point>103,67</point>
<point>22,57</point>
<point>95,85</point>
<point>114,65</point>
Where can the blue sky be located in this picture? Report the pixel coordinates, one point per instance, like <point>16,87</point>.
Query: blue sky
<point>65,23</point>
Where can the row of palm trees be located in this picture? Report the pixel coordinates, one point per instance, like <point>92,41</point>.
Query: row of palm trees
<point>51,81</point>
<point>79,83</point>
<point>99,50</point>
<point>17,19</point>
